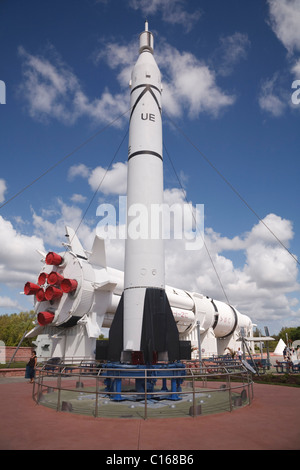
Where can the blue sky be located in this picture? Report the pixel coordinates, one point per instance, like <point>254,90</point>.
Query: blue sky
<point>227,70</point>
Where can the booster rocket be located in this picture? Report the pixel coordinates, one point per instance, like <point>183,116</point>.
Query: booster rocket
<point>144,329</point>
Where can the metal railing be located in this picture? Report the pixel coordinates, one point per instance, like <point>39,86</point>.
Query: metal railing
<point>88,388</point>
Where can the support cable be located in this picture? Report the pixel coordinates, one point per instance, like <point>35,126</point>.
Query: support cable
<point>232,188</point>
<point>193,215</point>
<point>100,131</point>
<point>100,184</point>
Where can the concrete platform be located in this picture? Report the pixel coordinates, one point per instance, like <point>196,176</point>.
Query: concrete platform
<point>271,422</point>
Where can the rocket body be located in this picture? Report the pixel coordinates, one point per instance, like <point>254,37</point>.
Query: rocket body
<point>144,322</point>
<point>144,250</point>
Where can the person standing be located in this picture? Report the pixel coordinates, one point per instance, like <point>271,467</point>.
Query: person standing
<point>239,354</point>
<point>30,367</point>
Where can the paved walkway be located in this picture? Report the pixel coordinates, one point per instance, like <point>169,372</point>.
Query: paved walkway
<point>272,421</point>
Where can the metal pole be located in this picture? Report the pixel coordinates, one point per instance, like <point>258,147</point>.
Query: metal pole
<point>17,348</point>
<point>97,394</point>
<point>287,344</point>
<point>268,351</point>
<point>229,391</point>
<point>199,345</point>
<point>59,389</point>
<point>194,398</point>
<point>145,411</point>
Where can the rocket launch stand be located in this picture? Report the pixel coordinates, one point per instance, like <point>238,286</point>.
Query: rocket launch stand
<point>145,377</point>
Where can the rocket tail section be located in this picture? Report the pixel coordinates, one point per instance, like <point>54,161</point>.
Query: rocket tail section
<point>116,331</point>
<point>159,338</point>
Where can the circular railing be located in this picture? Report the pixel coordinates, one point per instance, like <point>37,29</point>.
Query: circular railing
<point>195,389</point>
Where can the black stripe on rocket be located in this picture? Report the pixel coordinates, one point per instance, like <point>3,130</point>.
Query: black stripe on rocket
<point>146,89</point>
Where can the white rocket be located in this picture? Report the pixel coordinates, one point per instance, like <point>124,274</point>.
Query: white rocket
<point>77,294</point>
<point>144,258</point>
<point>148,325</point>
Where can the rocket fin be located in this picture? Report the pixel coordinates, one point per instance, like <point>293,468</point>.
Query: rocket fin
<point>74,243</point>
<point>92,328</point>
<point>159,330</point>
<point>115,344</point>
<point>34,332</point>
<point>98,255</point>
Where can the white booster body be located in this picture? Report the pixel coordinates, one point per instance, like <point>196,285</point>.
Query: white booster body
<point>144,247</point>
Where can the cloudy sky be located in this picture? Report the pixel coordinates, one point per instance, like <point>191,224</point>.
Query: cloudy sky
<point>231,138</point>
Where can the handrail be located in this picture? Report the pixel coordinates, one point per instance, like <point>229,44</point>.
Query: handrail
<point>96,373</point>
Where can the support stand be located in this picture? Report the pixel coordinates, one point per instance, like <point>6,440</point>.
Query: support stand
<point>145,379</point>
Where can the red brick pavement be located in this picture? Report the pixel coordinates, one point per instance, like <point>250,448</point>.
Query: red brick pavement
<point>272,421</point>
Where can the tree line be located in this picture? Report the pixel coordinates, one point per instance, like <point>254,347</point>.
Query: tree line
<point>290,333</point>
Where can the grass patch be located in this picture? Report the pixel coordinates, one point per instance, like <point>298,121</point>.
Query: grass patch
<point>13,365</point>
<point>292,380</point>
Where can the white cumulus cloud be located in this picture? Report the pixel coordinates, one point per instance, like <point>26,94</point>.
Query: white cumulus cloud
<point>51,90</point>
<point>172,11</point>
<point>19,260</point>
<point>107,181</point>
<point>3,189</point>
<point>285,20</point>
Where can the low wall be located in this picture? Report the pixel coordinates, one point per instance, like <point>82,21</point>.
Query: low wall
<point>12,372</point>
<point>23,353</point>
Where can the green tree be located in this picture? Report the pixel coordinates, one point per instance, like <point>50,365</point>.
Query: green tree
<point>292,333</point>
<point>12,328</point>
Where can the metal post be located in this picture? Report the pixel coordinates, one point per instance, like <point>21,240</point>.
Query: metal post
<point>287,344</point>
<point>268,351</point>
<point>199,345</point>
<point>97,395</point>
<point>145,414</point>
<point>194,398</point>
<point>59,389</point>
<point>229,390</point>
<point>17,348</point>
<point>33,389</point>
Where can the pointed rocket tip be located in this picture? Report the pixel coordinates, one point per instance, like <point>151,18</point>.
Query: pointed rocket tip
<point>146,40</point>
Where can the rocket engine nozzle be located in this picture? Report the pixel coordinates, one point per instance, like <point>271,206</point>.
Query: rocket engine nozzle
<point>44,318</point>
<point>53,293</point>
<point>69,285</point>
<point>54,259</point>
<point>40,295</point>
<point>55,278</point>
<point>42,279</point>
<point>30,288</point>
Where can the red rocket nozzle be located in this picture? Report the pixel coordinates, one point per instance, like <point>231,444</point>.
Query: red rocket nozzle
<point>30,288</point>
<point>55,278</point>
<point>53,293</point>
<point>44,318</point>
<point>40,295</point>
<point>53,259</point>
<point>68,285</point>
<point>42,278</point>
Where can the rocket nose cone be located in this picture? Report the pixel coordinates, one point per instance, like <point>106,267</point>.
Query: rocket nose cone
<point>146,40</point>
